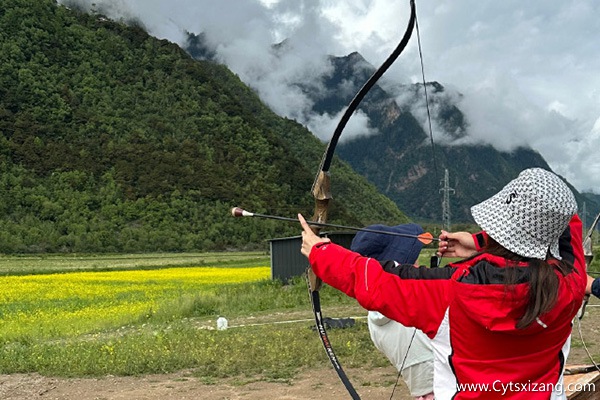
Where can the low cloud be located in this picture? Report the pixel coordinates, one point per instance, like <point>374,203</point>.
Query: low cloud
<point>527,70</point>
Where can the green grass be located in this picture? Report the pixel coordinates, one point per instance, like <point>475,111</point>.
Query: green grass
<point>24,265</point>
<point>275,352</point>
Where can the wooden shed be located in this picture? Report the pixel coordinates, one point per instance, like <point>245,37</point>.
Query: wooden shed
<point>287,261</point>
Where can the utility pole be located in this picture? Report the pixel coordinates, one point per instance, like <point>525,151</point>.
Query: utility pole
<point>447,190</point>
<point>584,216</point>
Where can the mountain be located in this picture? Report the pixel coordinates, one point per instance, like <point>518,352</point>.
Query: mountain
<point>112,140</point>
<point>400,160</point>
<point>590,210</point>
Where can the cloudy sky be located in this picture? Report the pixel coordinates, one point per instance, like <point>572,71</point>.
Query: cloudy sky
<point>528,70</point>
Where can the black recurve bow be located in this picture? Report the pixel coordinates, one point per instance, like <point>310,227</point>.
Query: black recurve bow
<point>321,190</point>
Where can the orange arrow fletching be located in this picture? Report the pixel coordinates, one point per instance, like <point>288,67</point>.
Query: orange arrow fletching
<point>425,238</point>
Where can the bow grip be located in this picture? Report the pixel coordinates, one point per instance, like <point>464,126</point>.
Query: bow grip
<point>321,191</point>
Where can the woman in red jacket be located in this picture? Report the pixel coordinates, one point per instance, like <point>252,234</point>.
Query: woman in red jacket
<point>500,321</point>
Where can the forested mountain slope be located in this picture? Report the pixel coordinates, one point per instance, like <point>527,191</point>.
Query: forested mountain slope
<point>112,140</point>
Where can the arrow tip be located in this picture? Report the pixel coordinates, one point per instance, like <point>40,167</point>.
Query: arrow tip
<point>237,212</point>
<point>240,212</point>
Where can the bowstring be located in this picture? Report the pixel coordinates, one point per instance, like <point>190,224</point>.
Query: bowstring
<point>585,346</point>
<point>426,99</point>
<point>403,362</point>
<point>429,124</point>
<point>435,170</point>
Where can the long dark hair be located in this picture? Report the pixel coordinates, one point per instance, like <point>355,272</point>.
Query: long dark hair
<point>543,282</point>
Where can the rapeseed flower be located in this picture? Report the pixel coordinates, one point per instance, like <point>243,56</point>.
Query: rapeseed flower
<point>74,303</point>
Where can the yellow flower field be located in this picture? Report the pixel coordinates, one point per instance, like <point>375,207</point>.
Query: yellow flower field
<point>67,304</point>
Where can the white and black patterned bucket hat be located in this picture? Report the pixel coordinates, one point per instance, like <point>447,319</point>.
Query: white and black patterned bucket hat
<point>529,214</point>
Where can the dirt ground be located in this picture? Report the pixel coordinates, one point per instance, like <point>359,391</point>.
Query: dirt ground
<point>317,384</point>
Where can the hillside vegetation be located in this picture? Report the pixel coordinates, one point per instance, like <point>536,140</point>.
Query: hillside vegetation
<point>112,141</point>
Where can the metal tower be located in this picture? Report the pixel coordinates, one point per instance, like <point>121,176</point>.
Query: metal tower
<point>446,190</point>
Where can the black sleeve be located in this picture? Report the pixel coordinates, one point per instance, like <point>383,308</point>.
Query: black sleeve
<point>596,287</point>
<point>566,247</point>
<point>480,240</point>
<point>409,271</point>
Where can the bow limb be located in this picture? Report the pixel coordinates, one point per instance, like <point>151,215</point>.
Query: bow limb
<point>321,189</point>
<point>328,156</point>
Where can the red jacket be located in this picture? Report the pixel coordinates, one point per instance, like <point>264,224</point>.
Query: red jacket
<point>470,317</point>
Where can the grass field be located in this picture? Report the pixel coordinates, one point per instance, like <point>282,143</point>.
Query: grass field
<point>155,313</point>
<point>138,314</point>
<point>28,264</point>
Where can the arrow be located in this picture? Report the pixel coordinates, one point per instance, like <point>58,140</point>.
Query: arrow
<point>425,238</point>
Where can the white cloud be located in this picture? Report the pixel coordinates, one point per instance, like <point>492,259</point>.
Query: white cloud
<point>528,70</point>
<point>324,125</point>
